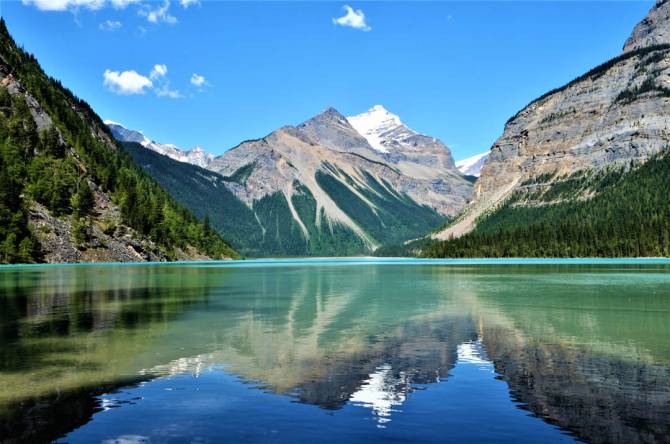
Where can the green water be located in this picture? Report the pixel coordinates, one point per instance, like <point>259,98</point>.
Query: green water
<point>363,350</point>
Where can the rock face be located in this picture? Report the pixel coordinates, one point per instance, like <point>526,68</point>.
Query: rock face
<point>196,156</point>
<point>328,158</point>
<point>654,29</point>
<point>616,113</point>
<point>417,165</point>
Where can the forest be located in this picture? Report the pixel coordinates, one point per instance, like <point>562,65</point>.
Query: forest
<point>619,212</point>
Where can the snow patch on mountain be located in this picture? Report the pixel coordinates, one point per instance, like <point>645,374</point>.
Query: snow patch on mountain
<point>472,165</point>
<point>400,145</point>
<point>375,124</point>
<point>196,156</point>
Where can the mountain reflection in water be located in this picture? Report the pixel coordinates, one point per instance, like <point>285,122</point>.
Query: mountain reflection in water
<point>582,347</point>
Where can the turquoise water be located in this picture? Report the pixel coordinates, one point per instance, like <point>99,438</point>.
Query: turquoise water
<point>337,350</point>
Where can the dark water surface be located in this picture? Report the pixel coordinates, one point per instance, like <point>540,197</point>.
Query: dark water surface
<point>336,351</point>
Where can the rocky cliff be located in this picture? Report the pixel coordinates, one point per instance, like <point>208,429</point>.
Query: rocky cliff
<point>617,113</point>
<point>654,29</point>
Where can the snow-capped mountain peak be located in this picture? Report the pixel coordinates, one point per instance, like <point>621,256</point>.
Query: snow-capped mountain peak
<point>122,133</point>
<point>472,165</point>
<point>374,124</point>
<point>196,156</point>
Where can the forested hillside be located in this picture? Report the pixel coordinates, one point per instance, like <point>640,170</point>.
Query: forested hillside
<point>620,212</point>
<point>65,185</point>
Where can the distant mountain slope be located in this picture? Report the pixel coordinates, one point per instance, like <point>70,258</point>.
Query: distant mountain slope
<point>317,189</point>
<point>472,166</point>
<point>615,114</point>
<point>67,192</point>
<point>196,156</point>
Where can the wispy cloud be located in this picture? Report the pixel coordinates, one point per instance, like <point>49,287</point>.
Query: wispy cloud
<point>198,80</point>
<point>353,18</point>
<point>186,3</point>
<point>120,4</point>
<point>126,82</point>
<point>161,14</point>
<point>158,71</point>
<point>165,91</point>
<point>110,25</point>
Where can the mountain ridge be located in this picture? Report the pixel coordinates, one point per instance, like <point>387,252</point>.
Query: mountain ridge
<point>324,178</point>
<point>196,156</point>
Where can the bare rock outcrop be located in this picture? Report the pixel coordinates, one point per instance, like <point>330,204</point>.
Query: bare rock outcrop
<point>654,29</point>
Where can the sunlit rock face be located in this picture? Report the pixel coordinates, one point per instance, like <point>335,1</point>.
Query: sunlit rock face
<point>613,115</point>
<point>654,29</point>
<point>423,169</point>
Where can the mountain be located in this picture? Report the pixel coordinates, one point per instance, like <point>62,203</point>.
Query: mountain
<point>196,156</point>
<point>68,192</point>
<point>472,166</point>
<point>602,136</point>
<point>398,144</point>
<point>653,30</point>
<point>319,188</point>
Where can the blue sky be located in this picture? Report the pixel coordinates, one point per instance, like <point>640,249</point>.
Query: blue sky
<point>239,70</point>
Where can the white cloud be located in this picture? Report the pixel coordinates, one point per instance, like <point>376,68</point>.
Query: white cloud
<point>130,82</point>
<point>110,25</point>
<point>186,3</point>
<point>126,82</point>
<point>160,14</point>
<point>69,5</point>
<point>121,4</point>
<point>354,18</point>
<point>198,80</point>
<point>158,71</point>
<point>64,5</point>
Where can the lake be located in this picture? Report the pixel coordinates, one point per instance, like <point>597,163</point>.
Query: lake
<point>316,351</point>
